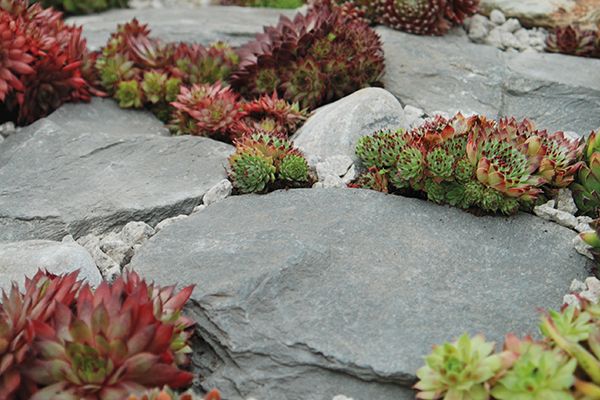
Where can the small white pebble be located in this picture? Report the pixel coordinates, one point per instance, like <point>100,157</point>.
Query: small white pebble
<point>497,17</point>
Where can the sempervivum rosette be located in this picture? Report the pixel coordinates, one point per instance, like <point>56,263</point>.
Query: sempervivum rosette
<point>311,59</point>
<point>573,40</point>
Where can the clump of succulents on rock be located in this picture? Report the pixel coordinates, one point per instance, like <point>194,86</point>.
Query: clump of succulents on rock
<point>586,189</point>
<point>564,365</point>
<point>83,6</point>
<point>141,71</point>
<point>312,60</point>
<point>574,40</point>
<point>42,62</point>
<point>498,167</point>
<point>262,161</point>
<point>60,337</point>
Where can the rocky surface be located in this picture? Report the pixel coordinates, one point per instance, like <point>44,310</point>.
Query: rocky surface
<point>505,34</point>
<point>23,258</point>
<point>344,291</point>
<point>56,181</point>
<point>334,129</point>
<point>546,13</point>
<point>451,73</point>
<point>205,25</point>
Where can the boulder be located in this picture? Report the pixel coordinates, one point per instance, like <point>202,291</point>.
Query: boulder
<point>55,181</point>
<point>344,291</point>
<point>334,129</point>
<point>452,74</point>
<point>205,25</point>
<point>23,259</point>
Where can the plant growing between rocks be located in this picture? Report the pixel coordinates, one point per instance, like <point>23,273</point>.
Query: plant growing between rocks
<point>565,365</point>
<point>470,162</point>
<point>62,338</point>
<point>586,189</point>
<point>262,162</point>
<point>42,62</point>
<point>574,40</point>
<point>312,60</point>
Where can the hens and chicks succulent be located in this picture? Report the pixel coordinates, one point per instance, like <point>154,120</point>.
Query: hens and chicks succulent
<point>43,62</point>
<point>83,6</point>
<point>565,365</point>
<point>61,337</point>
<point>574,40</point>
<point>470,162</point>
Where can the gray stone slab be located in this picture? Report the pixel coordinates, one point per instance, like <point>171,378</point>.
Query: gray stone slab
<point>354,285</point>
<point>54,181</point>
<point>205,25</point>
<point>23,259</point>
<point>450,74</point>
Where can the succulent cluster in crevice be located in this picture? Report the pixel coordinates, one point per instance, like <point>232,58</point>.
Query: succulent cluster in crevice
<point>312,59</point>
<point>574,40</point>
<point>263,162</point>
<point>60,337</point>
<point>43,62</point>
<point>565,365</point>
<point>498,167</point>
<point>586,189</point>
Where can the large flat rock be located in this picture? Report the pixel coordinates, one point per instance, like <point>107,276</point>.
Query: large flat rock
<point>23,259</point>
<point>205,25</point>
<point>452,74</point>
<point>344,291</point>
<point>56,181</point>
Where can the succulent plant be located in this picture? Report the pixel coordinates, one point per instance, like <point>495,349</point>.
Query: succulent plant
<point>83,6</point>
<point>206,110</point>
<point>141,71</point>
<point>168,394</point>
<point>20,312</point>
<point>466,162</point>
<point>122,337</point>
<point>312,59</point>
<point>373,179</point>
<point>538,373</point>
<point>586,189</point>
<point>424,17</point>
<point>41,59</point>
<point>459,370</point>
<point>260,160</point>
<point>592,238</point>
<point>573,40</point>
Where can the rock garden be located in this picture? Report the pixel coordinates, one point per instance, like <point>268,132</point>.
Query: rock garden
<point>266,199</point>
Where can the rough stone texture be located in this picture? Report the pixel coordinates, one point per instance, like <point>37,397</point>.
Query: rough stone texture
<point>235,25</point>
<point>450,73</point>
<point>20,259</point>
<point>105,116</point>
<point>344,291</point>
<point>530,12</point>
<point>218,192</point>
<point>54,181</point>
<point>335,128</point>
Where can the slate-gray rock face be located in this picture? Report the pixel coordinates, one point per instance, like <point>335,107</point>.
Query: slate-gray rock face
<point>344,291</point>
<point>452,74</point>
<point>205,25</point>
<point>54,181</point>
<point>21,259</point>
<point>335,128</point>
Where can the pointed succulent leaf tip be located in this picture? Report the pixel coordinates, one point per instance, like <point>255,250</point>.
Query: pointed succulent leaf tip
<point>459,370</point>
<point>537,373</point>
<point>313,59</point>
<point>586,189</point>
<point>373,179</point>
<point>115,339</point>
<point>41,61</point>
<point>20,314</point>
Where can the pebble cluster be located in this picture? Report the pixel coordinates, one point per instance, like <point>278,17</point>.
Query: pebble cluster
<point>505,34</point>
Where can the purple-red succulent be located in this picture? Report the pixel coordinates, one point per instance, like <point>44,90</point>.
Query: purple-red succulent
<point>574,40</point>
<point>312,60</point>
